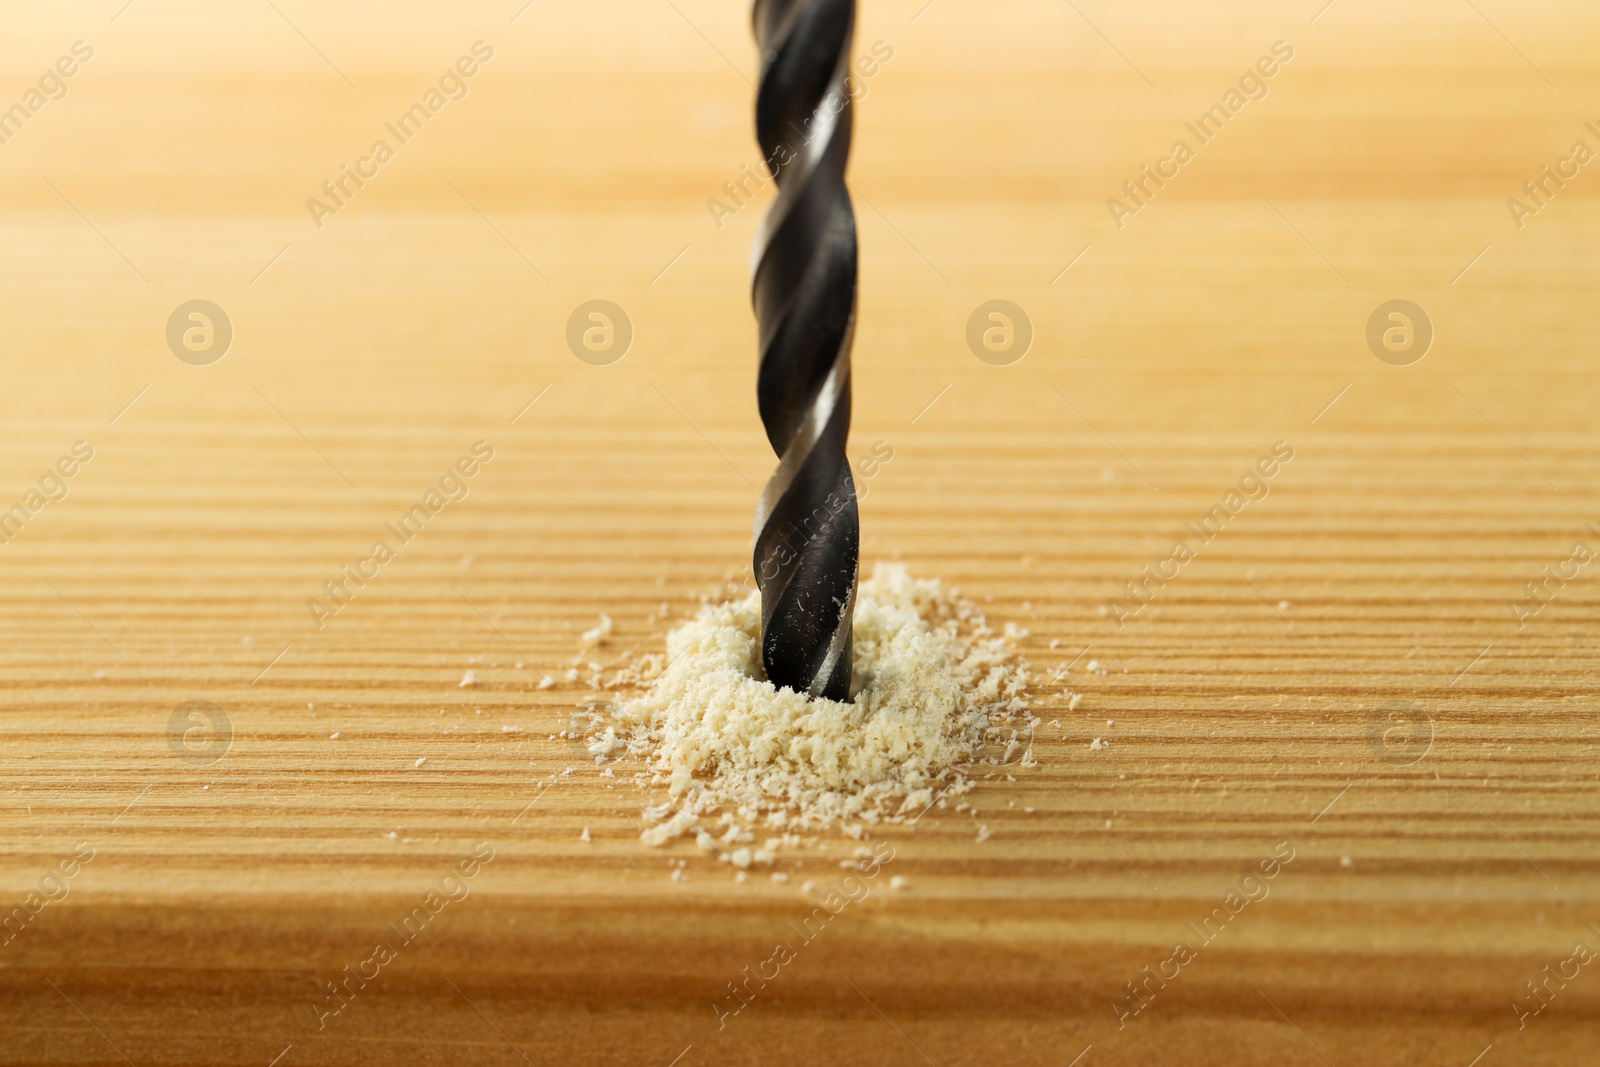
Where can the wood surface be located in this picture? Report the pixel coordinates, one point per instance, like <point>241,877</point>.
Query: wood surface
<point>1437,866</point>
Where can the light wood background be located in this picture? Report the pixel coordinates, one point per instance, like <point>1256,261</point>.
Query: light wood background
<point>1430,880</point>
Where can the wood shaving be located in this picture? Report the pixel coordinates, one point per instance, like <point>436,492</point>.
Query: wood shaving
<point>937,691</point>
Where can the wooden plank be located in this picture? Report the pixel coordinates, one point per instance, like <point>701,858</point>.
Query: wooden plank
<point>1341,672</point>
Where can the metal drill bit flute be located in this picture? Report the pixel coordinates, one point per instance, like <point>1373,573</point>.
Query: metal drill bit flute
<point>803,268</point>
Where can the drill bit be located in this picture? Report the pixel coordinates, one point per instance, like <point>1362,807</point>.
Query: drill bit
<point>803,282</point>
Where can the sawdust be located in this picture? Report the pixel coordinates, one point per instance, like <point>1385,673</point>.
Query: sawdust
<point>939,695</point>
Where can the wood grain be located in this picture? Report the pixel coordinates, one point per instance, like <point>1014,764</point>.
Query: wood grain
<point>1435,869</point>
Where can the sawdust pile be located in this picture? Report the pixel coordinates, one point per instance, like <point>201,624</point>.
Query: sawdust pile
<point>939,695</point>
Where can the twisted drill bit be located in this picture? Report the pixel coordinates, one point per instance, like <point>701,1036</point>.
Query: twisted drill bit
<point>803,282</point>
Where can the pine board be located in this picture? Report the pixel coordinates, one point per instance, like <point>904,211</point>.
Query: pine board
<point>1439,863</point>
